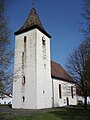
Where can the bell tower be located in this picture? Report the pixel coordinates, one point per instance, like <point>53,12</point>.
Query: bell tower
<point>32,84</point>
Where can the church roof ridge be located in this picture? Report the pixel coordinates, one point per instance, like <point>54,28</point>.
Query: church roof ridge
<point>32,22</point>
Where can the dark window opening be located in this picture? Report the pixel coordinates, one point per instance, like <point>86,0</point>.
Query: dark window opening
<point>24,43</point>
<point>23,99</point>
<point>23,80</point>
<point>43,41</point>
<point>22,60</point>
<point>59,91</point>
<point>25,39</point>
<point>43,91</point>
<point>25,48</point>
<point>72,91</point>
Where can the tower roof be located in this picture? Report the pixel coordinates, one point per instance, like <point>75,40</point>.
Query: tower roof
<point>32,22</point>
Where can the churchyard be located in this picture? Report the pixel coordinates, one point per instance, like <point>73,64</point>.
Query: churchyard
<point>65,113</point>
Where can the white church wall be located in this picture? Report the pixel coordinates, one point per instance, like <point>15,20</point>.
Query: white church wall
<point>65,93</point>
<point>29,89</point>
<point>44,81</point>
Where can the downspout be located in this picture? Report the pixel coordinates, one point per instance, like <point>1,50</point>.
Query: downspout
<point>52,94</point>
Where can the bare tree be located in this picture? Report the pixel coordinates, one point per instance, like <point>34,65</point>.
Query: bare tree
<point>79,59</point>
<point>78,67</point>
<point>86,15</point>
<point>5,52</point>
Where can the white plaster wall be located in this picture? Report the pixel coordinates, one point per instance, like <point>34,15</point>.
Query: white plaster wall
<point>17,72</point>
<point>38,86</point>
<point>65,92</point>
<point>29,89</point>
<point>44,81</point>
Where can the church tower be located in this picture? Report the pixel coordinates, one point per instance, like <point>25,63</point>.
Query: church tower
<point>32,84</point>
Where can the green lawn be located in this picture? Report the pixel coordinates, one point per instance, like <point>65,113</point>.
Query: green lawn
<point>57,114</point>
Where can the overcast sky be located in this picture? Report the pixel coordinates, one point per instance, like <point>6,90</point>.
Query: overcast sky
<point>60,18</point>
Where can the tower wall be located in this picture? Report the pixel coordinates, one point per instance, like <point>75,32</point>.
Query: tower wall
<point>28,90</point>
<point>36,92</point>
<point>44,82</point>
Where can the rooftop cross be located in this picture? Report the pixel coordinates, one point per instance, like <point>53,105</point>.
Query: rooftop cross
<point>33,3</point>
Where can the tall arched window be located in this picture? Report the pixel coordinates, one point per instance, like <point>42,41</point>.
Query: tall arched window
<point>60,95</point>
<point>72,91</point>
<point>25,39</point>
<point>22,60</point>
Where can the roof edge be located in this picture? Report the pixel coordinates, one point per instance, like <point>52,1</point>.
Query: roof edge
<point>63,79</point>
<point>30,28</point>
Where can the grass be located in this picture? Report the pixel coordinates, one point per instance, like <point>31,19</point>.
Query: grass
<point>57,114</point>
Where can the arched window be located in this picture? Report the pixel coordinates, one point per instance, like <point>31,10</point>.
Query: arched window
<point>60,91</point>
<point>43,41</point>
<point>72,91</point>
<point>25,39</point>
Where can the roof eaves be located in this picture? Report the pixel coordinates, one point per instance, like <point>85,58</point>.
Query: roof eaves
<point>30,28</point>
<point>71,81</point>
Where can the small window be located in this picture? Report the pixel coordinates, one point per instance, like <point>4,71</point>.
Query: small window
<point>43,92</point>
<point>23,99</point>
<point>72,91</point>
<point>44,65</point>
<point>59,91</point>
<point>43,41</point>
<point>23,80</point>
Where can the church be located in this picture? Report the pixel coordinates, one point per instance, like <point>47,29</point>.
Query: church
<point>38,81</point>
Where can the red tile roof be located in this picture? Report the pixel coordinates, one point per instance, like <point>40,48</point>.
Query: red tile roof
<point>57,71</point>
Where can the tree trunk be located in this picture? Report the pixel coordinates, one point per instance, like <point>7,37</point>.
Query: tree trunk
<point>85,96</point>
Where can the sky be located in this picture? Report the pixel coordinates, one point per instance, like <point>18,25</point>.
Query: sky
<point>60,19</point>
